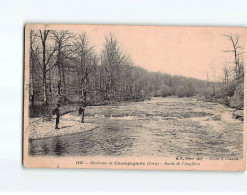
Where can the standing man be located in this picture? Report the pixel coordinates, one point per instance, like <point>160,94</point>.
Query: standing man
<point>81,112</point>
<point>56,112</point>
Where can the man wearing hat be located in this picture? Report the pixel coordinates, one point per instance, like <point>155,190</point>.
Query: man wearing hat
<point>56,112</point>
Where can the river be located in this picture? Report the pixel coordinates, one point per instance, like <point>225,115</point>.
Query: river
<point>164,127</point>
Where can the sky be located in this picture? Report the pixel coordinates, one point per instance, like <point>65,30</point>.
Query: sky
<point>186,51</point>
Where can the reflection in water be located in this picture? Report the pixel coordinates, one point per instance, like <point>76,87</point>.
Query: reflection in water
<point>58,147</point>
<point>45,149</point>
<point>110,140</point>
<point>31,147</point>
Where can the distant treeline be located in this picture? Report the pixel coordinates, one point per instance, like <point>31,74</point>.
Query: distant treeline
<point>64,67</point>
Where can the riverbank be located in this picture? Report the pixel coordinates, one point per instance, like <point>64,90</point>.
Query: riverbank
<point>231,95</point>
<point>69,124</point>
<point>236,113</point>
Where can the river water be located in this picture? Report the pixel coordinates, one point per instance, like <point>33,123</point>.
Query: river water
<point>164,127</point>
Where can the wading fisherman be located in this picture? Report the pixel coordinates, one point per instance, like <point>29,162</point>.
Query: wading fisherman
<point>56,112</point>
<point>81,112</point>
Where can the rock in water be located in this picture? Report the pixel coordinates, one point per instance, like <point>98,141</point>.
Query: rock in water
<point>238,114</point>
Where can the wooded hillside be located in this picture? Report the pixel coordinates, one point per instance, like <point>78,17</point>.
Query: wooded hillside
<point>231,93</point>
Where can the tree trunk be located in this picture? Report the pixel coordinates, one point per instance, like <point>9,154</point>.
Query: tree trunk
<point>44,74</point>
<point>31,67</point>
<point>64,87</point>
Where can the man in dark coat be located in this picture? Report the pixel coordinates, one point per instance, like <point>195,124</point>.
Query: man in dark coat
<point>56,112</point>
<point>81,112</point>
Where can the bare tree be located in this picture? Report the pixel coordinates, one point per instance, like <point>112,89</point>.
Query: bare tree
<point>87,63</point>
<point>64,50</point>
<point>32,63</point>
<point>236,51</point>
<point>112,57</point>
<point>214,76</point>
<point>226,72</point>
<point>47,53</point>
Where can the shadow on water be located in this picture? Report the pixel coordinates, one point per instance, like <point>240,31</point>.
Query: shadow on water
<point>58,148</point>
<point>44,147</point>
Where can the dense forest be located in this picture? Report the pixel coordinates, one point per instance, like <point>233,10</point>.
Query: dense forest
<point>65,68</point>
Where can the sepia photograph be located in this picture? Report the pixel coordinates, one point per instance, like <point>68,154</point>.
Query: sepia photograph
<point>134,97</point>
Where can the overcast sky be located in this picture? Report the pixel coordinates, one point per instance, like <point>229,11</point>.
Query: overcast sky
<point>183,51</point>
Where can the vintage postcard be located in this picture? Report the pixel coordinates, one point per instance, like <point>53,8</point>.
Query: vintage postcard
<point>134,97</point>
